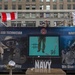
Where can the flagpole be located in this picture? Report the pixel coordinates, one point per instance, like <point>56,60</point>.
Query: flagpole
<point>16,17</point>
<point>73,14</point>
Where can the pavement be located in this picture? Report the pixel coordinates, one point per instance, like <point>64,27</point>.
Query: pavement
<point>23,74</point>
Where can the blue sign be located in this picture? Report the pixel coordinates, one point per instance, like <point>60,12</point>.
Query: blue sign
<point>22,45</point>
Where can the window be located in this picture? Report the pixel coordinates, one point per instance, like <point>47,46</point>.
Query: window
<point>37,15</point>
<point>47,0</point>
<point>13,23</point>
<point>13,6</point>
<point>6,0</point>
<point>47,7</point>
<point>41,7</point>
<point>19,7</point>
<point>33,7</point>
<point>27,15</point>
<point>68,0</point>
<point>69,6</point>
<point>23,24</point>
<point>54,0</point>
<point>73,0</point>
<point>73,6</point>
<point>5,7</point>
<point>61,6</point>
<point>42,23</point>
<point>61,15</point>
<point>27,7</point>
<point>61,0</point>
<point>56,15</point>
<point>0,7</point>
<point>41,0</point>
<point>13,0</point>
<point>33,15</point>
<point>19,24</point>
<point>33,0</point>
<point>27,0</point>
<point>23,15</point>
<point>0,0</point>
<point>19,14</point>
<point>19,0</point>
<point>30,23</point>
<point>47,15</point>
<point>54,6</point>
<point>41,15</point>
<point>66,15</point>
<point>51,15</point>
<point>45,22</point>
<point>58,23</point>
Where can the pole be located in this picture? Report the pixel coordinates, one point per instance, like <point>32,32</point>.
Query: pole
<point>10,72</point>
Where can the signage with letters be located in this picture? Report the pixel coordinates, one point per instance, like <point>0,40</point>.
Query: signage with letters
<point>43,64</point>
<point>26,45</point>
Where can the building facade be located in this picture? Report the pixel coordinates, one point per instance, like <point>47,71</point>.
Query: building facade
<point>32,13</point>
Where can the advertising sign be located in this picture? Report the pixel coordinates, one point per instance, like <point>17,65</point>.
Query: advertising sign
<point>25,45</point>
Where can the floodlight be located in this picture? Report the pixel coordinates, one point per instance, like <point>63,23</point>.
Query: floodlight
<point>11,63</point>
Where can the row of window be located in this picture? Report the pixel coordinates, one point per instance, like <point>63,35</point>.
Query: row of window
<point>61,6</point>
<point>26,24</point>
<point>40,0</point>
<point>43,15</point>
<point>57,0</point>
<point>41,7</point>
<point>33,23</point>
<point>18,0</point>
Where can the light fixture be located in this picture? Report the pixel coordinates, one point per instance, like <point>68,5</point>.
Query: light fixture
<point>11,63</point>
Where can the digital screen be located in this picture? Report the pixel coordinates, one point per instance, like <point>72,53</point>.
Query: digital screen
<point>43,45</point>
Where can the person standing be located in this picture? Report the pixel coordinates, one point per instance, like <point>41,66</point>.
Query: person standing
<point>41,41</point>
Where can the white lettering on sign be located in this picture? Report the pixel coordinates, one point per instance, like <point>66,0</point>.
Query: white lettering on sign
<point>43,64</point>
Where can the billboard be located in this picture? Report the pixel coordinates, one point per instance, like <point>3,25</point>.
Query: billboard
<point>24,45</point>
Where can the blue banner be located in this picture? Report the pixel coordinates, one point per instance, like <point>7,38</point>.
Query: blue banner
<point>25,44</point>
